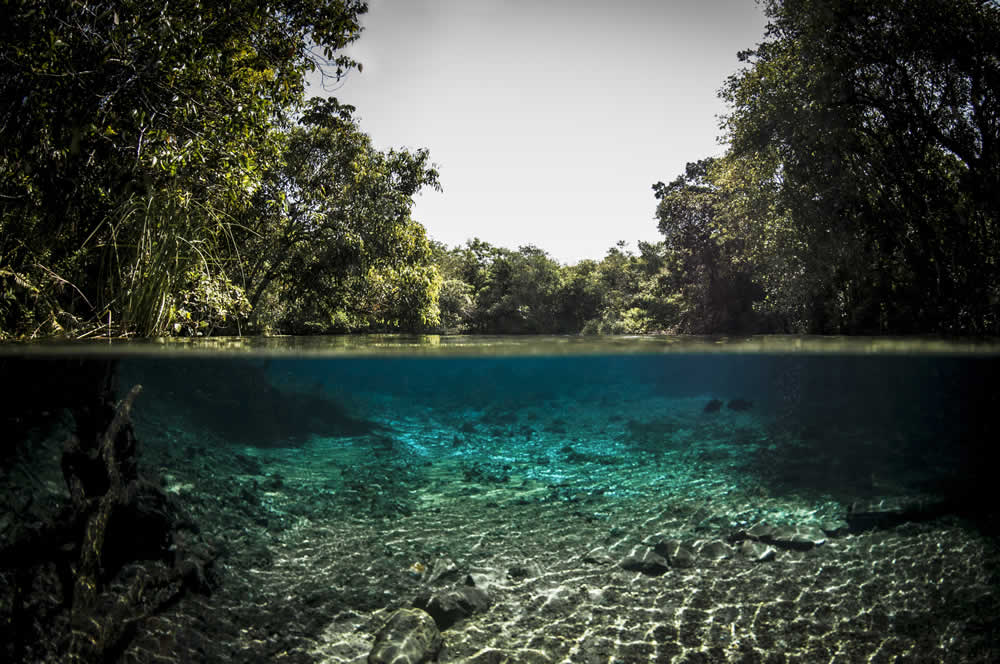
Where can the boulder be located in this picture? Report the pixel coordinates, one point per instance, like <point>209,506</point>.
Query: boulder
<point>757,551</point>
<point>410,636</point>
<point>801,538</point>
<point>677,553</point>
<point>714,550</point>
<point>447,608</point>
<point>645,560</point>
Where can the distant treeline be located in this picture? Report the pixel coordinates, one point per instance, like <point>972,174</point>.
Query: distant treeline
<point>162,172</point>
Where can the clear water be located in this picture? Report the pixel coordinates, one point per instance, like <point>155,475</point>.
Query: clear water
<point>621,500</point>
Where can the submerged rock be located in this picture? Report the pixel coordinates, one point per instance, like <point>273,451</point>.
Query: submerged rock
<point>494,656</point>
<point>800,538</point>
<point>448,608</point>
<point>715,550</point>
<point>443,569</point>
<point>598,556</point>
<point>713,406</point>
<point>644,560</point>
<point>677,553</point>
<point>835,528</point>
<point>757,551</point>
<point>889,512</point>
<point>410,636</point>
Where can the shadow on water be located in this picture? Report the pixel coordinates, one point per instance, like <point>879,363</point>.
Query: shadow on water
<point>873,427</point>
<point>239,403</point>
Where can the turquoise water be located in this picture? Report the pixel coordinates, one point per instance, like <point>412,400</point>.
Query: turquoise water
<point>542,500</point>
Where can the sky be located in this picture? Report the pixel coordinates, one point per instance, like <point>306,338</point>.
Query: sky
<point>549,120</point>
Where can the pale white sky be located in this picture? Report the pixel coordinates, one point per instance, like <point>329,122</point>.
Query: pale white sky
<point>549,120</point>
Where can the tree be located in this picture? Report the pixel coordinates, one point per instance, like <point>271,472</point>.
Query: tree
<point>332,239</point>
<point>130,134</point>
<point>710,289</point>
<point>520,293</point>
<point>865,146</point>
<point>456,305</point>
<point>580,297</point>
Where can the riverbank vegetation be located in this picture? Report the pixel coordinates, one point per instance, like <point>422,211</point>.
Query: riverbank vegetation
<point>163,171</point>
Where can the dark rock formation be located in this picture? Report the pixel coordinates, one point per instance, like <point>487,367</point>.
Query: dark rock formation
<point>677,553</point>
<point>410,636</point>
<point>237,402</point>
<point>713,406</point>
<point>757,551</point>
<point>644,560</point>
<point>889,512</point>
<point>714,550</point>
<point>448,608</point>
<point>800,538</point>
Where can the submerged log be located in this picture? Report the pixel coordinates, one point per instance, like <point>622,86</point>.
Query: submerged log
<point>117,551</point>
<point>116,449</point>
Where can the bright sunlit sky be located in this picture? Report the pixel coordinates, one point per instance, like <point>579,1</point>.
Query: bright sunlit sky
<point>549,120</point>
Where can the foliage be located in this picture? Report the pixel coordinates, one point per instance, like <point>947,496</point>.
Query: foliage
<point>162,172</point>
<point>332,237</point>
<point>500,291</point>
<point>205,304</point>
<point>710,289</point>
<point>865,156</point>
<point>455,305</point>
<point>130,136</point>
<point>519,294</point>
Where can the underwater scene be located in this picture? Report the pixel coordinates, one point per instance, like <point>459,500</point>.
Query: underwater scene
<point>610,505</point>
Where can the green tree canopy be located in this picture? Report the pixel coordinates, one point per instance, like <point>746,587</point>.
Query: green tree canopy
<point>130,134</point>
<point>333,246</point>
<point>711,289</point>
<point>865,146</point>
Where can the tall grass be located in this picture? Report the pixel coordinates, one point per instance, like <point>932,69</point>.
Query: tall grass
<point>153,245</point>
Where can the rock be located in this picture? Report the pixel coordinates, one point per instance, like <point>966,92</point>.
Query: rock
<point>485,579</point>
<point>443,569</point>
<point>646,561</point>
<point>760,531</point>
<point>518,573</point>
<point>448,608</point>
<point>715,550</point>
<point>410,636</point>
<point>598,556</point>
<point>677,554</point>
<point>494,656</point>
<point>800,538</point>
<point>713,406</point>
<point>488,656</point>
<point>805,537</point>
<point>890,512</point>
<point>757,551</point>
<point>835,528</point>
